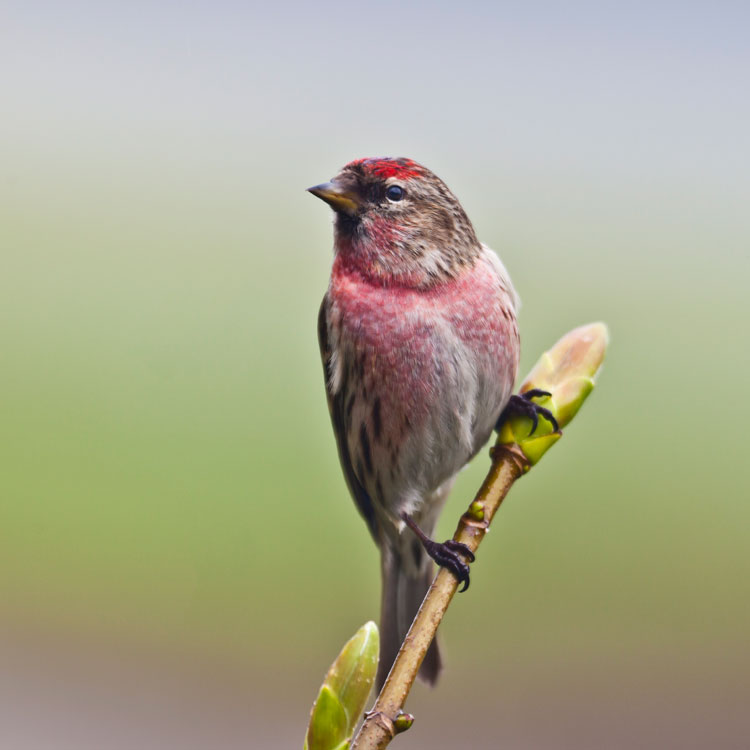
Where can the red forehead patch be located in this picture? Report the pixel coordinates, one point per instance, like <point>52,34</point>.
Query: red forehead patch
<point>384,168</point>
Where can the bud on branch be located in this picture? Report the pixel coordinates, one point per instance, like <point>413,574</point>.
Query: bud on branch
<point>342,696</point>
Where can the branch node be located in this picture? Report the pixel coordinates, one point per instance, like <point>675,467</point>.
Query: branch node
<point>468,521</point>
<point>513,452</point>
<point>384,722</point>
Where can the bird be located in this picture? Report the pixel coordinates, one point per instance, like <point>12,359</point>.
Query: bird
<point>420,347</point>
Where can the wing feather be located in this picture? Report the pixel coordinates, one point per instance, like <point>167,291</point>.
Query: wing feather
<point>336,409</point>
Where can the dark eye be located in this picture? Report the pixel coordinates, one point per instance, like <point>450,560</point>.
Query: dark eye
<point>394,193</point>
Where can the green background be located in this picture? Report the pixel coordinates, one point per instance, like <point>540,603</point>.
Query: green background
<point>179,560</point>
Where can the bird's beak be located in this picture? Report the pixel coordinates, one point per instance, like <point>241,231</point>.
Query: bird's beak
<point>340,199</point>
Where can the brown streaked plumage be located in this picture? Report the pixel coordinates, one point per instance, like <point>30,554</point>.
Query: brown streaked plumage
<point>420,350</point>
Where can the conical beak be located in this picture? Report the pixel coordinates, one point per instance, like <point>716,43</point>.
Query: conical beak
<point>340,199</point>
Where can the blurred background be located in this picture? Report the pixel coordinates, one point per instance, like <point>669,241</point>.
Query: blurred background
<point>179,559</point>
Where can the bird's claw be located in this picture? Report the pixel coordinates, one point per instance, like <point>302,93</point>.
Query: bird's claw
<point>522,405</point>
<point>448,554</point>
<point>460,548</point>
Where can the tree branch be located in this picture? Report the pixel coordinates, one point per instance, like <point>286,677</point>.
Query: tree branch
<point>567,372</point>
<point>379,728</point>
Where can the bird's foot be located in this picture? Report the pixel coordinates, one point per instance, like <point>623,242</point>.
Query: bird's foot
<point>450,554</point>
<point>523,406</point>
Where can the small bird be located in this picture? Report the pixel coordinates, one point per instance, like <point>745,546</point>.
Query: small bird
<point>420,348</point>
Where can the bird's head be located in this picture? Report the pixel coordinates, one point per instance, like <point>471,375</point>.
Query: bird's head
<point>398,223</point>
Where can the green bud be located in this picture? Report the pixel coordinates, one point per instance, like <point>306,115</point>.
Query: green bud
<point>476,511</point>
<point>568,371</point>
<point>328,722</point>
<point>403,722</point>
<point>342,696</point>
<point>536,446</point>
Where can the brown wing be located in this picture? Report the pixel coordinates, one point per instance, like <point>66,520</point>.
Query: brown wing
<point>336,408</point>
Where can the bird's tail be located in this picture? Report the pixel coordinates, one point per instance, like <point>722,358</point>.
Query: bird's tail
<point>404,588</point>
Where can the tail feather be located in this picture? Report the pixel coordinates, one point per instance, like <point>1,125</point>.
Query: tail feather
<point>403,592</point>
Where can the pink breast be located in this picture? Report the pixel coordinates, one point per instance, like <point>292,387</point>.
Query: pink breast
<point>401,335</point>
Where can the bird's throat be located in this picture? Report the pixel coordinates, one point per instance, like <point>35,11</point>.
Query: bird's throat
<point>389,254</point>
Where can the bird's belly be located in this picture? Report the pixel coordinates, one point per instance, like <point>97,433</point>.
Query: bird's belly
<point>424,383</point>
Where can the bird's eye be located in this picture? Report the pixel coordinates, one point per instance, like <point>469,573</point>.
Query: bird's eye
<point>394,193</point>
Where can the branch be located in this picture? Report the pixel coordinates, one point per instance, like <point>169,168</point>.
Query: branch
<point>567,372</point>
